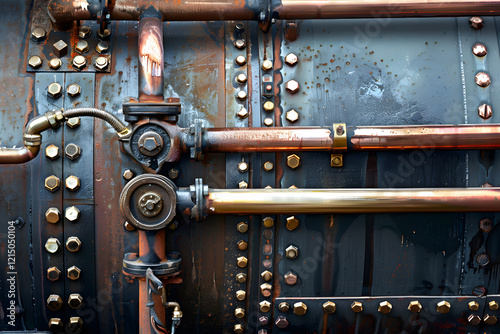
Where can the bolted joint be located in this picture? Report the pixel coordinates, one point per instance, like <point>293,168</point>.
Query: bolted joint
<point>266,289</point>
<point>53,215</point>
<point>292,252</point>
<point>329,307</point>
<point>72,151</point>
<point>357,307</point>
<point>53,274</point>
<point>292,223</point>
<point>54,302</point>
<point>52,245</point>
<point>292,86</point>
<point>443,307</point>
<point>293,161</point>
<point>290,278</point>
<point>73,244</point>
<point>239,312</point>
<point>265,306</point>
<point>72,183</point>
<point>281,322</point>
<point>72,214</point>
<point>384,307</point>
<point>52,152</point>
<point>299,308</point>
<point>74,273</point>
<point>266,276</point>
<point>75,300</point>
<point>75,323</point>
<point>415,306</point>
<point>56,325</point>
<point>284,307</point>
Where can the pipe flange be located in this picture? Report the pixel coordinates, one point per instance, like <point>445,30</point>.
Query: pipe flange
<point>149,202</point>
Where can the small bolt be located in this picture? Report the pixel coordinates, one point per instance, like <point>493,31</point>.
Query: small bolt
<point>241,278</point>
<point>60,49</point>
<point>173,173</point>
<point>74,273</point>
<point>484,111</point>
<point>242,167</point>
<point>79,62</point>
<point>84,32</point>
<point>241,78</point>
<point>479,50</point>
<point>263,321</point>
<point>242,227</point>
<point>490,319</point>
<point>267,65</point>
<point>73,244</point>
<point>265,306</point>
<point>292,252</point>
<point>102,47</point>
<point>73,122</point>
<point>291,59</point>
<point>290,278</point>
<point>56,325</point>
<point>52,152</point>
<point>241,60</point>
<point>299,308</point>
<point>474,319</point>
<point>293,161</point>
<point>72,183</point>
<point>73,90</point>
<point>242,245</point>
<point>128,174</point>
<point>239,313</point>
<point>268,166</point>
<point>266,275</point>
<point>337,160</point>
<point>242,261</point>
<point>266,289</point>
<point>485,225</point>
<point>52,183</point>
<point>292,223</point>
<point>53,215</point>
<point>54,90</point>
<point>443,307</point>
<point>240,44</point>
<point>384,307</point>
<point>268,222</point>
<point>54,302</point>
<point>73,152</point>
<point>55,63</point>
<point>240,294</point>
<point>268,106</point>
<point>75,300</point>
<point>238,329</point>
<point>75,323</point>
<point>473,306</point>
<point>483,79</point>
<point>483,259</point>
<point>357,307</point>
<point>415,306</point>
<point>281,322</point>
<point>268,121</point>
<point>129,227</point>
<point>242,185</point>
<point>329,307</point>
<point>283,307</point>
<point>101,63</point>
<point>35,62</point>
<point>292,86</point>
<point>476,22</point>
<point>82,47</point>
<point>239,27</point>
<point>38,34</point>
<point>242,95</point>
<point>243,113</point>
<point>72,214</point>
<point>493,305</point>
<point>103,34</point>
<point>52,245</point>
<point>53,273</point>
<point>292,115</point>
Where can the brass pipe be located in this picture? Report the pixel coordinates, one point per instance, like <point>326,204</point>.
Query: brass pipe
<point>329,201</point>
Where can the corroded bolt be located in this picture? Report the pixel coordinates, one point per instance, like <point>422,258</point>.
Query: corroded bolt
<point>242,185</point>
<point>241,278</point>
<point>74,273</point>
<point>53,215</point>
<point>242,95</point>
<point>72,183</point>
<point>474,319</point>
<point>473,306</point>
<point>35,62</point>
<point>129,227</point>
<point>266,289</point>
<point>239,313</point>
<point>53,273</point>
<point>82,47</point>
<point>238,329</point>
<point>490,319</point>
<point>60,48</point>
<point>241,60</point>
<point>329,307</point>
<point>299,308</point>
<point>73,90</point>
<point>284,307</point>
<point>415,306</point>
<point>479,50</point>
<point>241,78</point>
<point>263,321</point>
<point>73,152</point>
<point>52,245</point>
<point>72,214</point>
<point>52,152</point>
<point>102,47</point>
<point>476,22</point>
<point>290,278</point>
<point>292,115</point>
<point>55,325</point>
<point>128,174</point>
<point>268,106</point>
<point>55,63</point>
<point>101,63</point>
<point>173,173</point>
<point>485,225</point>
<point>75,300</point>
<point>443,307</point>
<point>104,34</point>
<point>54,90</point>
<point>292,223</point>
<point>484,111</point>
<point>38,34</point>
<point>242,227</point>
<point>268,222</point>
<point>79,62</point>
<point>292,252</point>
<point>265,306</point>
<point>54,302</point>
<point>281,322</point>
<point>483,259</point>
<point>266,275</point>
<point>357,307</point>
<point>268,166</point>
<point>268,121</point>
<point>242,167</point>
<point>291,59</point>
<point>75,323</point>
<point>292,86</point>
<point>241,294</point>
<point>384,307</point>
<point>242,245</point>
<point>73,122</point>
<point>243,113</point>
<point>483,79</point>
<point>293,161</point>
<point>52,183</point>
<point>73,244</point>
<point>242,261</point>
<point>267,65</point>
<point>240,44</point>
<point>84,32</point>
<point>493,305</point>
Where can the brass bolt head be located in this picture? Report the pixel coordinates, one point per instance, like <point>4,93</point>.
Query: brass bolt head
<point>493,305</point>
<point>473,306</point>
<point>240,44</point>
<point>415,306</point>
<point>53,274</point>
<point>292,223</point>
<point>268,166</point>
<point>281,322</point>
<point>485,225</point>
<point>292,252</point>
<point>74,273</point>
<point>443,307</point>
<point>242,261</point>
<point>73,122</point>
<point>101,63</point>
<point>128,174</point>
<point>268,106</point>
<point>73,152</point>
<point>268,222</point>
<point>84,32</point>
<point>239,313</point>
<point>265,289</point>
<point>474,319</point>
<point>52,183</point>
<point>265,306</point>
<point>292,86</point>
<point>129,227</point>
<point>102,47</point>
<point>241,78</point>
<point>357,307</point>
<point>299,308</point>
<point>82,47</point>
<point>243,113</point>
<point>54,90</point>
<point>72,183</point>
<point>284,307</point>
<point>242,185</point>
<point>53,215</point>
<point>73,90</point>
<point>52,245</point>
<point>479,50</point>
<point>484,111</point>
<point>476,22</point>
<point>55,63</point>
<point>73,244</point>
<point>266,275</point>
<point>103,34</point>
<point>52,152</point>
<point>490,319</point>
<point>75,323</point>
<point>483,79</point>
<point>241,294</point>
<point>242,245</point>
<point>173,173</point>
<point>267,65</point>
<point>72,214</point>
<point>238,329</point>
<point>79,62</point>
<point>384,307</point>
<point>242,227</point>
<point>291,59</point>
<point>337,160</point>
<point>290,278</point>
<point>292,115</point>
<point>241,278</point>
<point>35,62</point>
<point>242,167</point>
<point>75,300</point>
<point>329,307</point>
<point>54,302</point>
<point>38,34</point>
<point>242,95</point>
<point>293,161</point>
<point>56,325</point>
<point>241,60</point>
<point>268,121</point>
<point>60,48</point>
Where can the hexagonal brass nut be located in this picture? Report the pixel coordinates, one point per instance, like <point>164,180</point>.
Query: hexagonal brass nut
<point>292,115</point>
<point>54,90</point>
<point>53,274</point>
<point>290,278</point>
<point>238,329</point>
<point>74,273</point>
<point>72,152</point>
<point>291,59</point>
<point>293,161</point>
<point>35,62</point>
<point>292,223</point>
<point>79,62</point>
<point>84,32</point>
<point>101,63</point>
<point>75,300</point>
<point>266,289</point>
<point>53,215</point>
<point>443,307</point>
<point>299,308</point>
<point>415,306</point>
<point>73,122</point>
<point>55,63</point>
<point>473,306</point>
<point>54,302</point>
<point>38,34</point>
<point>490,319</point>
<point>239,312</point>
<point>268,106</point>
<point>357,307</point>
<point>72,183</point>
<point>241,294</point>
<point>493,305</point>
<point>291,252</point>
<point>329,307</point>
<point>485,225</point>
<point>72,214</point>
<point>242,261</point>
<point>243,167</point>
<point>474,319</point>
<point>268,222</point>
<point>52,152</point>
<point>292,86</point>
<point>52,183</point>
<point>82,47</point>
<point>284,307</point>
<point>266,275</point>
<point>73,90</point>
<point>56,325</point>
<point>52,245</point>
<point>73,244</point>
<point>265,306</point>
<point>241,278</point>
<point>102,47</point>
<point>384,307</point>
<point>75,323</point>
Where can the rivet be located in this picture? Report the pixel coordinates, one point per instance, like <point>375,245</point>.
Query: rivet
<point>240,44</point>
<point>268,106</point>
<point>479,50</point>
<point>473,306</point>
<point>483,79</point>
<point>268,121</point>
<point>242,261</point>
<point>242,245</point>
<point>267,65</point>
<point>35,62</point>
<point>268,222</point>
<point>239,313</point>
<point>243,113</point>
<point>55,63</point>
<point>483,259</point>
<point>242,227</point>
<point>290,278</point>
<point>241,78</point>
<point>242,95</point>
<point>266,289</point>
<point>242,167</point>
<point>484,111</point>
<point>268,166</point>
<point>240,294</point>
<point>292,223</point>
<point>241,60</point>
<point>337,160</point>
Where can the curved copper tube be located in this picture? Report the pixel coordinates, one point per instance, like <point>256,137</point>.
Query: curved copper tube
<point>329,201</point>
<point>18,155</point>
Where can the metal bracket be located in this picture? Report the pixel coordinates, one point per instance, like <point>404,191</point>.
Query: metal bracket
<point>339,137</point>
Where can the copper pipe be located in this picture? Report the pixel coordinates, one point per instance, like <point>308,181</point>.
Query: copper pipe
<point>150,60</point>
<point>329,201</point>
<point>18,155</point>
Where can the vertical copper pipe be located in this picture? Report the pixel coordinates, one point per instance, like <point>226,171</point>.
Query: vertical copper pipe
<point>150,59</point>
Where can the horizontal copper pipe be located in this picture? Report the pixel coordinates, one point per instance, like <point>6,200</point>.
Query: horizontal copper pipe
<point>18,155</point>
<point>329,201</point>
